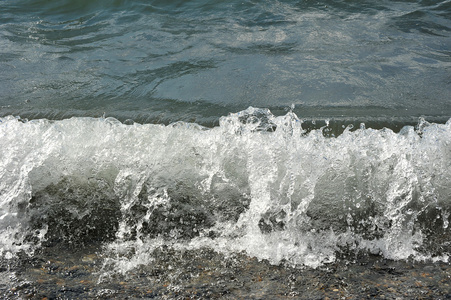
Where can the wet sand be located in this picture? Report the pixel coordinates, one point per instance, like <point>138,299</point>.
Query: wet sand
<point>65,273</point>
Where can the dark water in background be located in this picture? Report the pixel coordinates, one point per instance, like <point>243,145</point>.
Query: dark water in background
<point>167,61</point>
<point>254,179</point>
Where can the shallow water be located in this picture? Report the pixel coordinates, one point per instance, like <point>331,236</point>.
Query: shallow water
<point>58,273</point>
<point>293,134</point>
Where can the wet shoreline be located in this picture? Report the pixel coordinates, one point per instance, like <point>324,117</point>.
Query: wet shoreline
<point>65,273</point>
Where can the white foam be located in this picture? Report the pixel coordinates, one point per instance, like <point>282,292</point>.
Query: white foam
<point>272,190</point>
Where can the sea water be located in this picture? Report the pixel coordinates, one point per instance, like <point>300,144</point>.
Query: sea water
<point>291,131</point>
<point>195,61</point>
<point>256,183</point>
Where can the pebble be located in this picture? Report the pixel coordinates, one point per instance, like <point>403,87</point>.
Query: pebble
<point>60,273</point>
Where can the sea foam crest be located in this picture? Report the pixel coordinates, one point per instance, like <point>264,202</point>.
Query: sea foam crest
<point>257,183</point>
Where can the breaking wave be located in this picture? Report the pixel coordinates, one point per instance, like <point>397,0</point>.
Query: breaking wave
<point>256,183</point>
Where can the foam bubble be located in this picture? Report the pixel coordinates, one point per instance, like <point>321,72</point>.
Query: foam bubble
<point>256,183</point>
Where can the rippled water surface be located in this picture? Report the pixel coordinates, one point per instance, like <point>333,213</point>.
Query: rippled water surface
<point>166,61</point>
<point>172,143</point>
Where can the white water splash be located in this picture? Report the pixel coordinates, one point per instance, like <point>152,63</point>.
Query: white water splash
<point>256,183</point>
